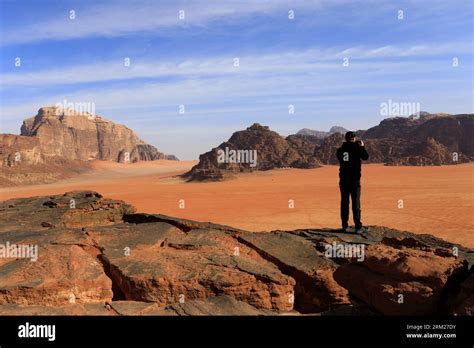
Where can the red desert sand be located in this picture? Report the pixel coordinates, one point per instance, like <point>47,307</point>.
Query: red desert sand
<point>435,200</point>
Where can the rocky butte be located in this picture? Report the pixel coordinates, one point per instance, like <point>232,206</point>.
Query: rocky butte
<point>103,258</point>
<point>61,141</point>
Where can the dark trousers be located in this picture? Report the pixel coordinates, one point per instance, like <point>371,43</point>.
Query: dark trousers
<point>350,188</point>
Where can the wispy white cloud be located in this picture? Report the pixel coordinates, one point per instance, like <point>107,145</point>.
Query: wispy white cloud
<point>200,96</point>
<point>124,17</point>
<point>307,61</point>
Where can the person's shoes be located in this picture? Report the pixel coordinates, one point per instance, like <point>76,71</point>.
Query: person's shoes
<point>350,229</point>
<point>361,230</point>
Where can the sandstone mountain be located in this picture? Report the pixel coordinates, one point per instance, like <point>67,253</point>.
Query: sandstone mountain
<point>57,135</point>
<point>452,131</point>
<point>85,137</point>
<point>428,139</point>
<point>271,149</point>
<point>99,257</point>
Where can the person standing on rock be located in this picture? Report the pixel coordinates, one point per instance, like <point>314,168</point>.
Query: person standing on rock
<point>350,155</point>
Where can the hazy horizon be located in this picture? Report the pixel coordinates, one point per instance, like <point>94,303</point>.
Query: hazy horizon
<point>138,61</point>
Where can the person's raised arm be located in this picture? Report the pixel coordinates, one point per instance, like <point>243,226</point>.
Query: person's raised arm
<point>363,152</point>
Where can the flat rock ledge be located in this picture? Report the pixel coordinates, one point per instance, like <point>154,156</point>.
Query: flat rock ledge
<point>82,254</point>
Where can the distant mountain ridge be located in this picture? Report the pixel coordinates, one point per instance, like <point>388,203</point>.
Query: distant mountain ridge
<point>427,139</point>
<point>321,134</point>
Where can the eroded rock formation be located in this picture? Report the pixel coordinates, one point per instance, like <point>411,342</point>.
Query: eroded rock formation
<point>57,143</point>
<point>271,151</point>
<point>97,256</point>
<point>437,139</point>
<point>67,134</point>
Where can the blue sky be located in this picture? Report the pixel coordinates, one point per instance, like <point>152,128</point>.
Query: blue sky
<point>190,62</point>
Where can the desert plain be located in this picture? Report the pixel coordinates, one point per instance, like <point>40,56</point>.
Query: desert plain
<point>433,199</point>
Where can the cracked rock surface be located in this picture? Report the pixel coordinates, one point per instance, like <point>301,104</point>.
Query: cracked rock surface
<point>100,257</point>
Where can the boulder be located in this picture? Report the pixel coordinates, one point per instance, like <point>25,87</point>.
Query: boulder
<point>72,209</point>
<point>401,279</point>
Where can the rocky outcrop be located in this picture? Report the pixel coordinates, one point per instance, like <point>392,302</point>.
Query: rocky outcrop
<point>218,305</point>
<point>315,290</point>
<point>15,150</point>
<point>393,151</point>
<point>62,274</point>
<point>305,147</point>
<point>22,162</point>
<point>404,278</point>
<point>166,264</point>
<point>70,210</point>
<point>155,260</point>
<point>452,131</point>
<point>326,151</point>
<point>437,139</point>
<point>430,139</point>
<point>57,143</point>
<point>72,135</point>
<point>267,148</point>
<point>98,257</point>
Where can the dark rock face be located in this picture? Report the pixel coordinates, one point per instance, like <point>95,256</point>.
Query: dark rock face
<point>437,139</point>
<point>428,140</point>
<point>326,152</point>
<point>454,132</point>
<point>145,152</point>
<point>271,151</point>
<point>305,146</point>
<point>102,258</point>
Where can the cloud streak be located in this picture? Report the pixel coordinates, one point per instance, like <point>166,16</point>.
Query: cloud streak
<point>125,17</point>
<point>308,61</point>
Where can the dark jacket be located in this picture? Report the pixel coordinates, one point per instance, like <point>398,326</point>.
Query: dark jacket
<point>349,156</point>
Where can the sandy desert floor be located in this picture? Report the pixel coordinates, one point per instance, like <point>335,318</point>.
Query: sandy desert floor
<point>436,200</point>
